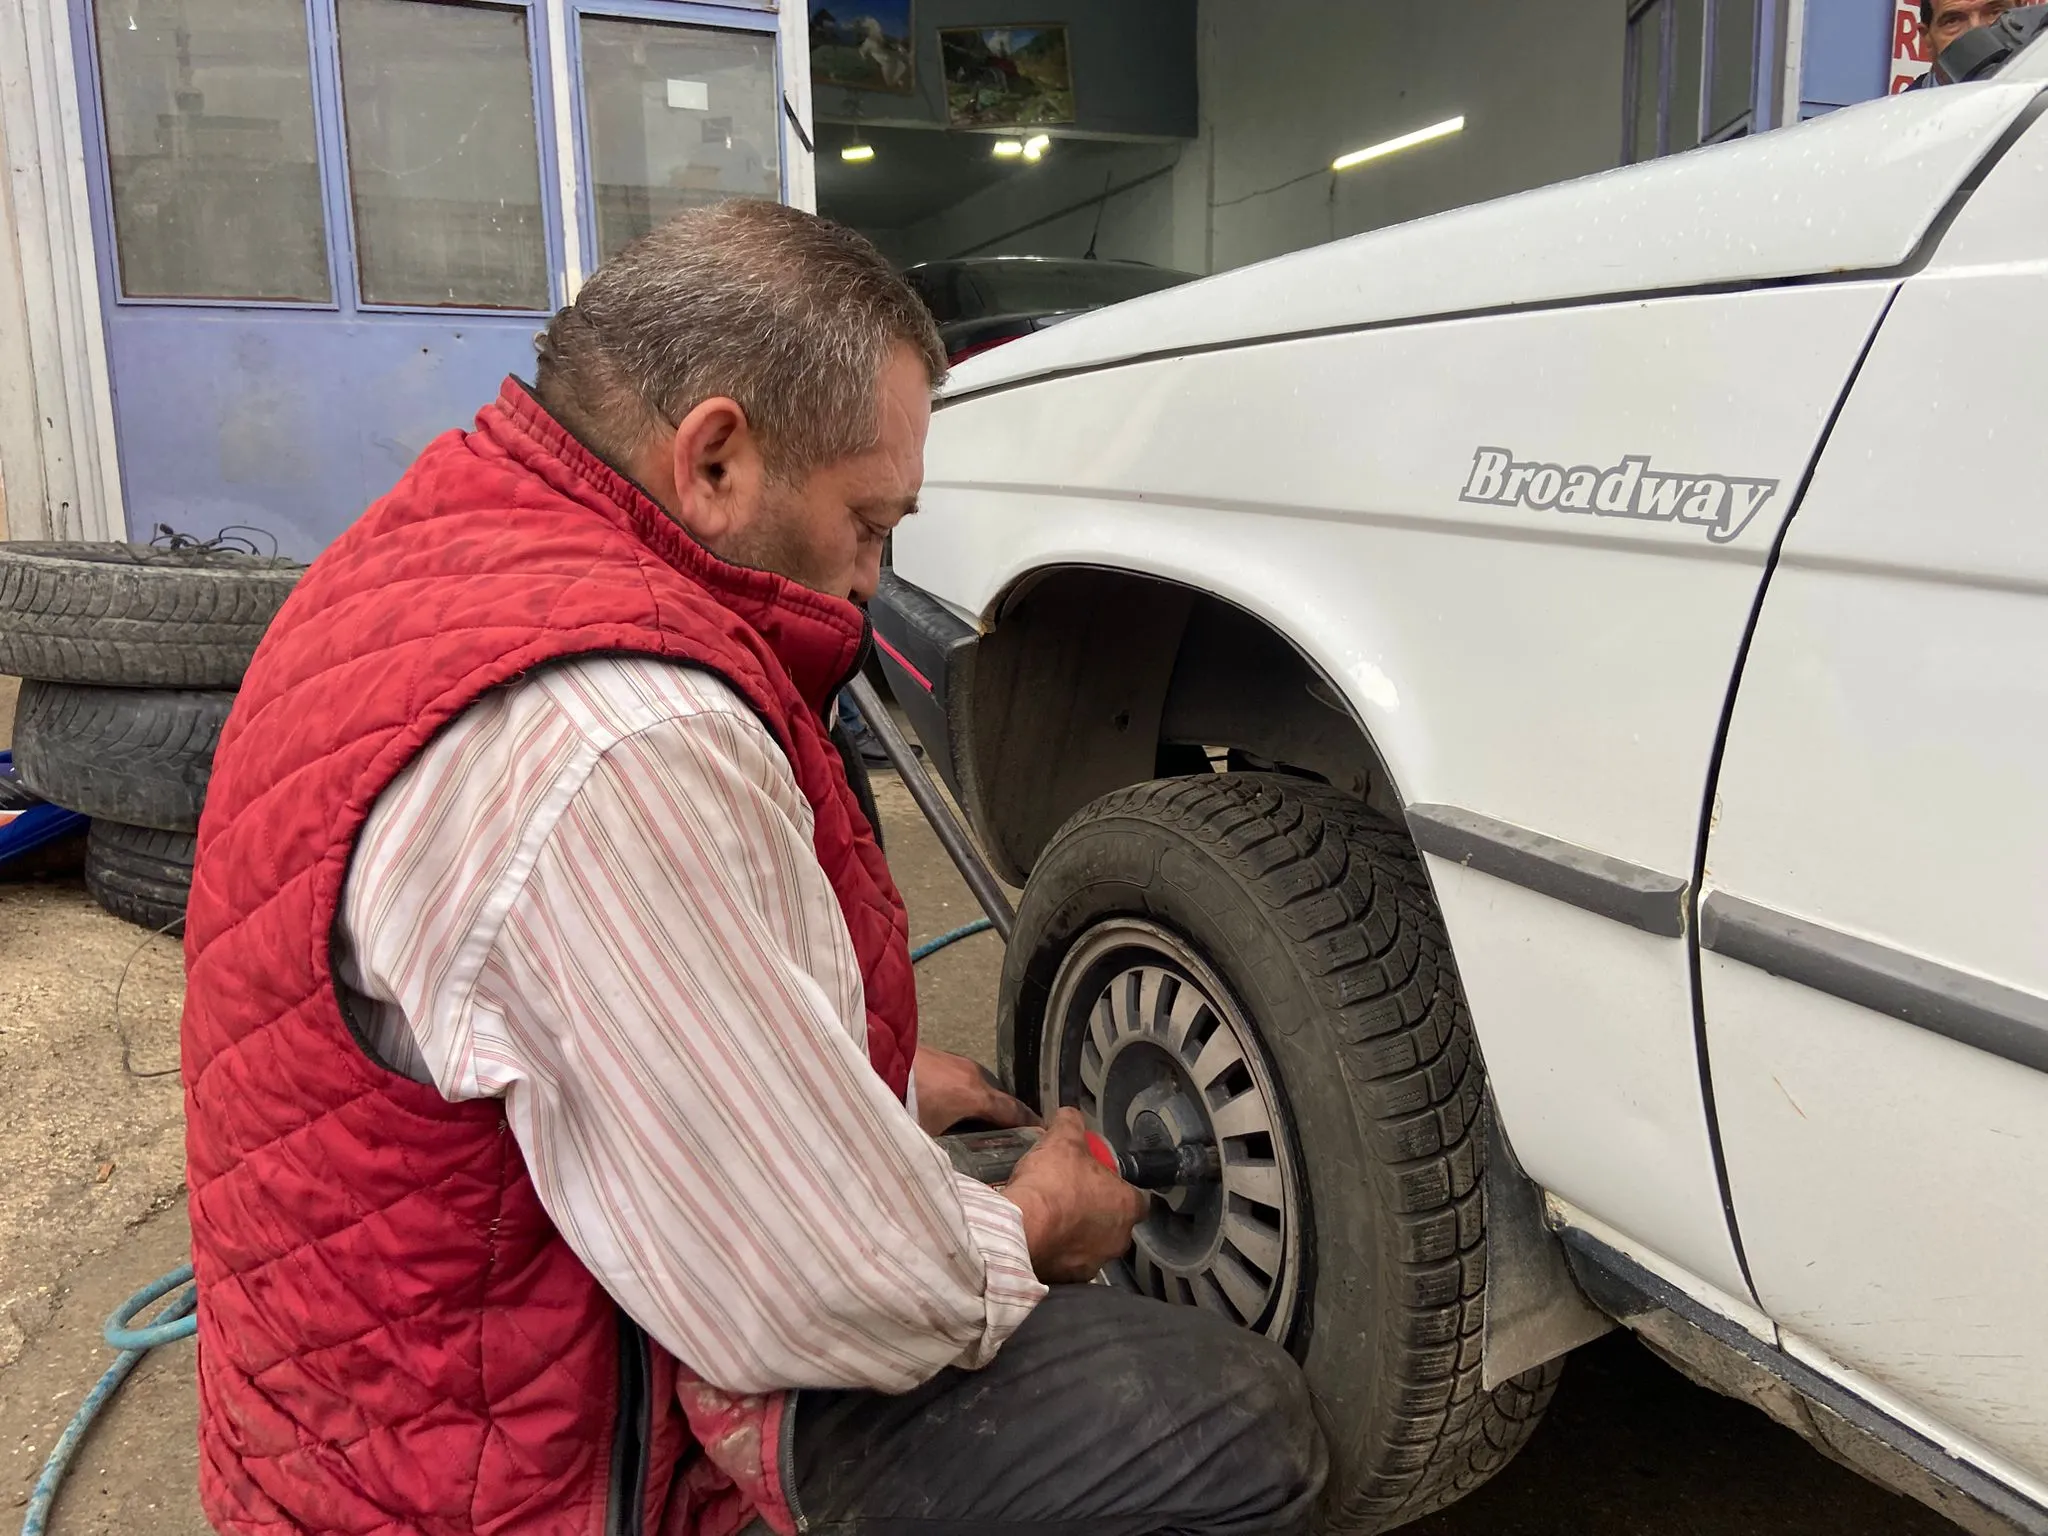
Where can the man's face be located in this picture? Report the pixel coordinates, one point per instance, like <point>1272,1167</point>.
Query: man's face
<point>827,533</point>
<point>1952,18</point>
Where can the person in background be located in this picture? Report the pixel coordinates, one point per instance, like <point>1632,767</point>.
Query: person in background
<point>864,740</point>
<point>1943,21</point>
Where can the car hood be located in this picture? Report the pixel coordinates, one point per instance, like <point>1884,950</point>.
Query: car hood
<point>1854,191</point>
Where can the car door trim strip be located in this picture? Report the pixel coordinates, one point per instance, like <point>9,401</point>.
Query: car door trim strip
<point>1643,898</point>
<point>1987,1015</point>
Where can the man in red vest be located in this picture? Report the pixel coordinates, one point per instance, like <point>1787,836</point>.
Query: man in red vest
<point>560,1146</point>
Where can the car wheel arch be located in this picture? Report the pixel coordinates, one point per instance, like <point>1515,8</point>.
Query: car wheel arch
<point>1090,679</point>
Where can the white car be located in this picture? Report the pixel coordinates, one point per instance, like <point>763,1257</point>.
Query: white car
<point>1529,731</point>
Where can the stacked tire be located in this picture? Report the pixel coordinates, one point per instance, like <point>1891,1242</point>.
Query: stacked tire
<point>130,656</point>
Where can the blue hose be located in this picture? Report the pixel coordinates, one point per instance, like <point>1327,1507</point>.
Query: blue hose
<point>965,931</point>
<point>177,1322</point>
<point>174,1322</point>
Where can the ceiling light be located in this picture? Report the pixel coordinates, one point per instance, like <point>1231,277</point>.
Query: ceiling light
<point>1008,149</point>
<point>857,152</point>
<point>1440,130</point>
<point>1037,145</point>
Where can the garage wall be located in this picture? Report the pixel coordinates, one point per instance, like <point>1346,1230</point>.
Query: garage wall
<point>1049,210</point>
<point>1133,62</point>
<point>1287,85</point>
<point>57,449</point>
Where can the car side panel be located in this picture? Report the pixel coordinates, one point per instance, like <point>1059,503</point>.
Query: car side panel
<point>1563,671</point>
<point>1885,778</point>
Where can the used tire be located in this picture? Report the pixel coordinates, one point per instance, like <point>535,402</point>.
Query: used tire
<point>142,874</point>
<point>135,616</point>
<point>1256,960</point>
<point>136,755</point>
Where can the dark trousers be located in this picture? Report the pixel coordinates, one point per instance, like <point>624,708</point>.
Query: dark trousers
<point>1104,1415</point>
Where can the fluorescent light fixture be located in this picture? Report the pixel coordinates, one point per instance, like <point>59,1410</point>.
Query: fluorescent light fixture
<point>1037,145</point>
<point>857,152</point>
<point>1444,129</point>
<point>1008,149</point>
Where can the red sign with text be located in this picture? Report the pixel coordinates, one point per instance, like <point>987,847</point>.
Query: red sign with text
<point>1909,45</point>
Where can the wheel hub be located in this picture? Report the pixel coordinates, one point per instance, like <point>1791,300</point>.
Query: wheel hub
<point>1143,1038</point>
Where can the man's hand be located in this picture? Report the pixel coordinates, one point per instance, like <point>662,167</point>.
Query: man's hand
<point>1077,1214</point>
<point>951,1089</point>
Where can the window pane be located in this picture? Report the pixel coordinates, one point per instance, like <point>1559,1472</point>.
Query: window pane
<point>1688,51</point>
<point>1734,49</point>
<point>678,117</point>
<point>443,155</point>
<point>216,176</point>
<point>1644,35</point>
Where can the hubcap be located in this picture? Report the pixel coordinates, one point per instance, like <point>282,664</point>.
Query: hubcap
<point>1145,1040</point>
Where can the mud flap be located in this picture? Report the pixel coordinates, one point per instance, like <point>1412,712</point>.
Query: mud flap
<point>1535,1310</point>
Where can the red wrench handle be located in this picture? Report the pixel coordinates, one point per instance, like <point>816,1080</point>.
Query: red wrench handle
<point>1104,1154</point>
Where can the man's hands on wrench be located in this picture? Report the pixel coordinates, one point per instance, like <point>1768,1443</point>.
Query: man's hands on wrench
<point>1078,1215</point>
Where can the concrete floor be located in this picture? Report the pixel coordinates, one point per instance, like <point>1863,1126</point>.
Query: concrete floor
<point>91,1158</point>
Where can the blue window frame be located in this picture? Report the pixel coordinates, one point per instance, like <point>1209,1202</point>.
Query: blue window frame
<point>346,211</point>
<point>280,369</point>
<point>748,23</point>
<point>338,213</point>
<point>1697,72</point>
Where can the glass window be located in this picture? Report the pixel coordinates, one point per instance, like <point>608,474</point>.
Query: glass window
<point>443,154</point>
<point>1645,79</point>
<point>211,149</point>
<point>677,117</point>
<point>1688,56</point>
<point>1676,50</point>
<point>1728,100</point>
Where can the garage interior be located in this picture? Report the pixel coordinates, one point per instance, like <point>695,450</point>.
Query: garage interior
<point>1205,129</point>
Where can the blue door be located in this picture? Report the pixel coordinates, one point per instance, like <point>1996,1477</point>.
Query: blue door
<point>329,228</point>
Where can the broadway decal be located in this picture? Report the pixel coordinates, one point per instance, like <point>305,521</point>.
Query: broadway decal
<point>1721,504</point>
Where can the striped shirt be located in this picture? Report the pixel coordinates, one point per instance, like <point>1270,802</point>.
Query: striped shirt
<point>595,897</point>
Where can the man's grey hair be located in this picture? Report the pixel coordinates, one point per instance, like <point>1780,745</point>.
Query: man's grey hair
<point>787,314</point>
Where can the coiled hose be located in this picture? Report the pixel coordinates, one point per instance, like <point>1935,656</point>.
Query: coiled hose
<point>176,1322</point>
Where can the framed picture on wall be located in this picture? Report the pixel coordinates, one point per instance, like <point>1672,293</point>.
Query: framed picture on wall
<point>865,45</point>
<point>1007,77</point>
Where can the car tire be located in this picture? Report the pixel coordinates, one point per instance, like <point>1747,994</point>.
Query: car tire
<point>136,755</point>
<point>1350,1221</point>
<point>131,615</point>
<point>141,874</point>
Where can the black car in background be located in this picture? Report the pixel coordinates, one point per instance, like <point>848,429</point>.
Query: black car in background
<point>984,301</point>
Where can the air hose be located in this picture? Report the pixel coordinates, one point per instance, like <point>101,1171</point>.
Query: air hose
<point>176,1321</point>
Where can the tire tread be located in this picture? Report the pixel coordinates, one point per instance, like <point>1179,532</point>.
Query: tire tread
<point>137,755</point>
<point>133,616</point>
<point>140,874</point>
<point>1347,888</point>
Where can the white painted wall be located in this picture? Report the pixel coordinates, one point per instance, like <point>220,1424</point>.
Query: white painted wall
<point>56,407</point>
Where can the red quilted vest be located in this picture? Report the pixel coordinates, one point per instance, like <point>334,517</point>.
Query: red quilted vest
<point>392,1335</point>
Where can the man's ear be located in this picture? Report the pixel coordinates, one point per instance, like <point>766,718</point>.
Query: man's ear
<point>716,464</point>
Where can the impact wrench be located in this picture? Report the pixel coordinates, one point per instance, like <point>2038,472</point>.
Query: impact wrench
<point>992,1156</point>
